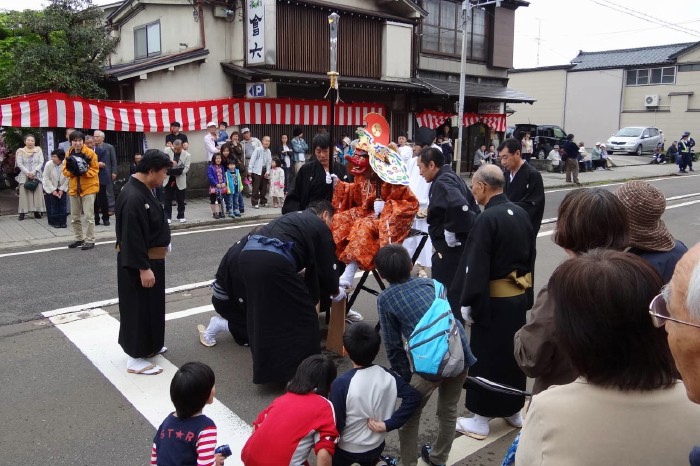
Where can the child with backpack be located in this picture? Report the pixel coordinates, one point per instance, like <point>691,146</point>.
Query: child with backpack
<point>233,190</point>
<point>364,400</point>
<point>297,422</point>
<point>415,308</point>
<point>187,436</point>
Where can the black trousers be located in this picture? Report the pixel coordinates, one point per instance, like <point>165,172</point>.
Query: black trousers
<point>236,317</point>
<point>173,192</point>
<point>260,184</point>
<point>102,204</point>
<point>445,263</point>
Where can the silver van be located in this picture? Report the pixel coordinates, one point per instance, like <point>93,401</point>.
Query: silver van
<point>634,140</point>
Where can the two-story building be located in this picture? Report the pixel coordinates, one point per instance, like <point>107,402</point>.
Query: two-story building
<point>600,92</point>
<point>401,57</point>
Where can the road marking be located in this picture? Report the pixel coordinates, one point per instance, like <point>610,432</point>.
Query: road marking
<point>684,196</point>
<point>101,243</point>
<point>464,446</point>
<point>189,312</point>
<point>546,221</point>
<point>113,301</point>
<point>682,204</point>
<point>649,180</point>
<point>95,334</point>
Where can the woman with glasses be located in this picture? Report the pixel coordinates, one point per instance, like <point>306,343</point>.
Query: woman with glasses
<point>628,406</point>
<point>588,218</point>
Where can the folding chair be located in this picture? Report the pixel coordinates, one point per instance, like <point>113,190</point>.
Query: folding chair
<point>336,319</point>
<point>365,275</point>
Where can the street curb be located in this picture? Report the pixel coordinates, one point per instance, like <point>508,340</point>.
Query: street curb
<point>226,222</point>
<point>109,236</point>
<point>607,182</point>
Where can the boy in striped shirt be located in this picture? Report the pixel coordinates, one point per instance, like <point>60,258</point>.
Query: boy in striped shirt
<point>187,436</point>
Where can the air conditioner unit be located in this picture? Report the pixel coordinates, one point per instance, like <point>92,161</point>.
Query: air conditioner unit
<point>651,100</point>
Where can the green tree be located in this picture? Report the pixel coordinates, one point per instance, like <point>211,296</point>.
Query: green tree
<point>61,48</point>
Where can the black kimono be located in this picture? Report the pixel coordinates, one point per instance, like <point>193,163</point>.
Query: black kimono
<point>527,191</point>
<point>451,207</point>
<point>491,253</point>
<point>283,327</point>
<point>228,296</point>
<point>140,225</point>
<point>310,185</point>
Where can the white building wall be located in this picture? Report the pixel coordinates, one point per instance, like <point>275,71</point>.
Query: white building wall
<point>675,113</point>
<point>199,80</point>
<point>397,51</point>
<point>592,108</point>
<point>549,88</point>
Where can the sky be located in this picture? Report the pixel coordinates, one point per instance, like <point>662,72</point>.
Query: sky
<point>566,26</point>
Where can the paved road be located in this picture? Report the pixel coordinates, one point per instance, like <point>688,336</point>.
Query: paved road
<point>68,391</point>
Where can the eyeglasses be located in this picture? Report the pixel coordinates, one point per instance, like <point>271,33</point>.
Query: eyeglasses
<point>658,309</point>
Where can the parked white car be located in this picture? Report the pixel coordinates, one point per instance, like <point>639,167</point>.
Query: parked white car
<point>634,140</point>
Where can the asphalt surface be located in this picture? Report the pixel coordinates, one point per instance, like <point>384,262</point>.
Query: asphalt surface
<point>56,398</point>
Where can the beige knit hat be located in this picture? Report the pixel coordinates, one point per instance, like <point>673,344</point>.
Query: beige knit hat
<point>645,205</point>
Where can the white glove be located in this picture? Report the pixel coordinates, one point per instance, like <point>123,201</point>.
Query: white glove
<point>334,177</point>
<point>378,208</point>
<point>451,239</point>
<point>329,178</point>
<point>340,296</point>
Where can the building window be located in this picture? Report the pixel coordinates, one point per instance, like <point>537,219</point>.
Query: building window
<point>147,40</point>
<point>442,32</point>
<point>649,76</point>
<point>689,67</point>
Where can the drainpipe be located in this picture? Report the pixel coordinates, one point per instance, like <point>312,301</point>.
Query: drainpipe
<point>200,11</point>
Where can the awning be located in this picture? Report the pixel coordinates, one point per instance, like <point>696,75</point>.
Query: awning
<point>132,70</point>
<point>294,77</point>
<point>478,91</point>
<point>433,119</point>
<point>54,109</point>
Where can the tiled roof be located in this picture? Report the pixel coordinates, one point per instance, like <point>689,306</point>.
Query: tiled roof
<point>625,58</point>
<point>451,88</point>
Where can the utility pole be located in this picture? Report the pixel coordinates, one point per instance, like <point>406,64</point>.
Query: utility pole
<point>539,38</point>
<point>467,6</point>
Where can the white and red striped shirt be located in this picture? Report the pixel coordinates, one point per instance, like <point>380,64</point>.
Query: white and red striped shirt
<point>184,441</point>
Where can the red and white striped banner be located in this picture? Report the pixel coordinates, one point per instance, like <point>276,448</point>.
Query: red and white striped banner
<point>54,109</point>
<point>496,121</point>
<point>433,119</point>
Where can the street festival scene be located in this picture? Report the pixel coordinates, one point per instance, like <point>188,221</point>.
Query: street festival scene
<point>350,233</point>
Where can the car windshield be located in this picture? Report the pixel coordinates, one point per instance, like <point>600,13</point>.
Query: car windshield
<point>629,132</point>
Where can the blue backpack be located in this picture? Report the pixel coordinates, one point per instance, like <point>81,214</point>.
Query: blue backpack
<point>435,346</point>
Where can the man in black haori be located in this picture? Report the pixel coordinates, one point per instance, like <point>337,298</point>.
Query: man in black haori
<point>497,261</point>
<point>143,237</point>
<point>289,263</point>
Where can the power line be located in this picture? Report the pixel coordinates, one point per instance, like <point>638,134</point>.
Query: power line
<point>666,23</point>
<point>644,17</point>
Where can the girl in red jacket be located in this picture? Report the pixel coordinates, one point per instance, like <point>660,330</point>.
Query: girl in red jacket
<point>293,424</point>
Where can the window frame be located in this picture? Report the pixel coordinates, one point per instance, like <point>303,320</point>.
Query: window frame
<point>477,54</point>
<point>666,76</point>
<point>146,27</point>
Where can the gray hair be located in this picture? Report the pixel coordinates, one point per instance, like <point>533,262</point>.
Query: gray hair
<point>98,133</point>
<point>692,300</point>
<point>491,175</point>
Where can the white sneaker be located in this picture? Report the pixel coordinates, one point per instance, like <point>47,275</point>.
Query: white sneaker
<point>516,420</point>
<point>475,427</point>
<point>353,316</point>
<point>256,207</point>
<point>183,220</point>
<point>168,221</point>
